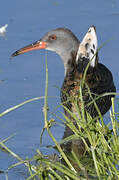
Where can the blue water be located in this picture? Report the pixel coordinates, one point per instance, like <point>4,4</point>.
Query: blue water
<point>23,77</point>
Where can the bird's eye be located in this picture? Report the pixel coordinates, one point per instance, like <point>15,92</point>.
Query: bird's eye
<point>53,37</point>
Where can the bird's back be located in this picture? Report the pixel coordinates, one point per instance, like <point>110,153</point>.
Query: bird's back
<point>99,80</point>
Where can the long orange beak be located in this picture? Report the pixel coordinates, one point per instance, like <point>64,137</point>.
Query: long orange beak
<point>34,46</point>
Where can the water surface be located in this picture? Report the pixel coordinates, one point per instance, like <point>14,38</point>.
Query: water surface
<point>23,77</point>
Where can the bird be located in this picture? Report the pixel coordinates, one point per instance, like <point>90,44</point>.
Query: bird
<point>76,57</point>
<point>3,30</point>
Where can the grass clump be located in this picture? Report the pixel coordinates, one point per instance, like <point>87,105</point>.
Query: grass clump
<point>100,159</point>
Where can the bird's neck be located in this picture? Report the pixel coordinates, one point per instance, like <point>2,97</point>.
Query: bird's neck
<point>69,60</point>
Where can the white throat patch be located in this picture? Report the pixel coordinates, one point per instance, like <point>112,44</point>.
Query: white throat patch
<point>88,46</point>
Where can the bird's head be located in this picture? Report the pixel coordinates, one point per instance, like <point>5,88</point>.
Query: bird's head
<point>60,40</point>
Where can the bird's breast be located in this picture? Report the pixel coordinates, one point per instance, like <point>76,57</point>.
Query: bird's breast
<point>70,92</point>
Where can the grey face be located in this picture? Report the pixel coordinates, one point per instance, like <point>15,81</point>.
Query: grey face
<point>61,40</point>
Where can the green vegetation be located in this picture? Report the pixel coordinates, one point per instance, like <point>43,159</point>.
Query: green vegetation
<point>100,159</point>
